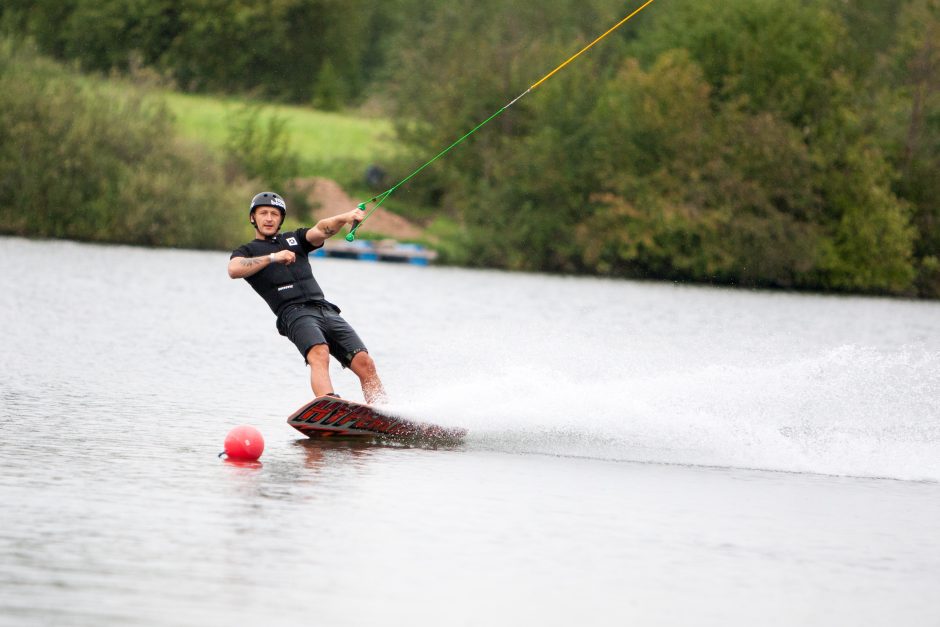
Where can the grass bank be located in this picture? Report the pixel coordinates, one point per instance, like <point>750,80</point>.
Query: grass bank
<point>335,145</point>
<point>339,146</point>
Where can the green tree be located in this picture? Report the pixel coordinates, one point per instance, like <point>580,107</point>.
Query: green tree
<point>777,54</point>
<point>273,48</point>
<point>692,191</point>
<point>910,119</point>
<point>515,185</point>
<point>101,167</point>
<point>740,156</point>
<point>258,142</point>
<point>41,20</point>
<point>106,35</point>
<point>329,92</point>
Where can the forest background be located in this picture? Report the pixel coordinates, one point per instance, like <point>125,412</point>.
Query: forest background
<point>762,143</point>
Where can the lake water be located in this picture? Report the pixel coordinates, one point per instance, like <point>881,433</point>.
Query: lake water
<point>638,453</point>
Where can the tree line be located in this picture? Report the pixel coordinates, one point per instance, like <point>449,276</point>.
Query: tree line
<point>750,142</point>
<point>300,51</point>
<point>753,142</point>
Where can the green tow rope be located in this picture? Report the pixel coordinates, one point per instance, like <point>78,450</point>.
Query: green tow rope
<point>378,200</point>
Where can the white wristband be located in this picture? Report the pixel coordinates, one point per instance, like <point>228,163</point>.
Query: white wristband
<point>271,257</point>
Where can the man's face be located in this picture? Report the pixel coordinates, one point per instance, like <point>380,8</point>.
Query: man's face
<point>267,220</point>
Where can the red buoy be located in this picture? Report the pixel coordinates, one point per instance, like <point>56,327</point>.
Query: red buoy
<point>244,443</point>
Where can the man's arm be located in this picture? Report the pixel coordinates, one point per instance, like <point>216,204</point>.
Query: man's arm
<point>241,267</point>
<point>328,227</point>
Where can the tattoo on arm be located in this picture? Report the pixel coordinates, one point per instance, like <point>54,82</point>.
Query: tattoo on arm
<point>247,262</point>
<point>329,230</point>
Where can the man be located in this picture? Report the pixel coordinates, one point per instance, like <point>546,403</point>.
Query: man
<point>276,266</point>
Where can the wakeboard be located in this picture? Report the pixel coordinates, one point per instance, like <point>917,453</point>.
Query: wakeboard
<point>328,415</point>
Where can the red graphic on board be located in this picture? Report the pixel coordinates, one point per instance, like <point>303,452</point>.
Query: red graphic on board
<point>332,416</point>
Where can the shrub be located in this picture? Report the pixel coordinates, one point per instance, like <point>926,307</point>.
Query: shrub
<point>259,145</point>
<point>82,160</point>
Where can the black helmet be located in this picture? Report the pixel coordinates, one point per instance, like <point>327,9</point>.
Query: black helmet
<point>268,199</point>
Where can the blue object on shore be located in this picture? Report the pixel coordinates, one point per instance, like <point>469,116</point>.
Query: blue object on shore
<point>384,250</point>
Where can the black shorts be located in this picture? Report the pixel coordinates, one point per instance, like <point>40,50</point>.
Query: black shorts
<point>311,324</point>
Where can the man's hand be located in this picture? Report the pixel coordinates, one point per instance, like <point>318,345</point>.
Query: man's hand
<point>328,227</point>
<point>286,257</point>
<point>243,267</point>
<point>356,215</point>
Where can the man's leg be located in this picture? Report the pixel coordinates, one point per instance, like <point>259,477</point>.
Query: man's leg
<point>319,359</point>
<point>364,367</point>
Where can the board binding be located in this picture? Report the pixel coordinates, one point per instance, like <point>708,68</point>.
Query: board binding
<point>331,416</point>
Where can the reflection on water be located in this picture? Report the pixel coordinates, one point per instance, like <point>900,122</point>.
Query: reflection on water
<point>125,368</point>
<point>337,451</point>
<point>242,463</point>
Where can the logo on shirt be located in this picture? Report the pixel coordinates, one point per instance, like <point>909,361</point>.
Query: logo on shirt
<point>291,241</point>
<point>285,287</point>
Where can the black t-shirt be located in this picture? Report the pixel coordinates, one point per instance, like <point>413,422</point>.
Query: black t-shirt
<point>278,284</point>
